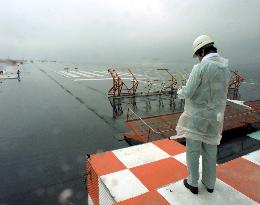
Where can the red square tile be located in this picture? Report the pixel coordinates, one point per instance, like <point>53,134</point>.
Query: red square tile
<point>149,198</point>
<point>170,146</point>
<point>156,174</point>
<point>106,163</point>
<point>242,175</point>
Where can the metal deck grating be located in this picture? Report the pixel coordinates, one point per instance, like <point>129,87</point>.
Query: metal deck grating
<point>255,105</point>
<point>156,127</point>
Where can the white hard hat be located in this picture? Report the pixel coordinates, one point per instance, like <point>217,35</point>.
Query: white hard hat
<point>201,41</point>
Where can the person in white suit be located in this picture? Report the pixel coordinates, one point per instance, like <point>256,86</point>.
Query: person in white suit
<point>201,123</point>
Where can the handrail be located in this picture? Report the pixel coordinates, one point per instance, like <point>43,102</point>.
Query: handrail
<point>143,121</point>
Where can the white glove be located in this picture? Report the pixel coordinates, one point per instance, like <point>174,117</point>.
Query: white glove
<point>180,95</point>
<point>172,137</point>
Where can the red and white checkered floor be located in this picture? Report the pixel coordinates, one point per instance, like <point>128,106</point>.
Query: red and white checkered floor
<point>153,173</point>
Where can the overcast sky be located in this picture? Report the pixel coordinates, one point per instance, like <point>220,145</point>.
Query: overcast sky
<point>128,31</point>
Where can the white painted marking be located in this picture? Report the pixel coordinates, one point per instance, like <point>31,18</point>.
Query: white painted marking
<point>132,78</point>
<point>177,194</point>
<point>64,75</point>
<point>90,202</point>
<point>139,155</point>
<point>105,196</point>
<point>69,74</point>
<point>239,103</point>
<point>123,185</point>
<point>253,157</point>
<point>7,76</point>
<point>93,79</point>
<point>91,73</point>
<point>100,71</point>
<point>123,74</point>
<point>140,75</point>
<point>82,74</point>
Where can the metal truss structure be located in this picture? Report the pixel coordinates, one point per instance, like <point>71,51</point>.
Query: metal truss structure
<point>120,87</point>
<point>235,80</point>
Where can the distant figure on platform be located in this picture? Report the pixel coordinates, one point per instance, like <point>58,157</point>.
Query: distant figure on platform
<point>66,69</point>
<point>201,123</point>
<point>18,75</point>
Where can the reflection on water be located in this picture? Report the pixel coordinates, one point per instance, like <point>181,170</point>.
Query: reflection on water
<point>146,104</point>
<point>233,94</point>
<point>116,104</point>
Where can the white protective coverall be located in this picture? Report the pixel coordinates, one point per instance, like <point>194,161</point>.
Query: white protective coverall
<point>205,95</point>
<point>201,123</point>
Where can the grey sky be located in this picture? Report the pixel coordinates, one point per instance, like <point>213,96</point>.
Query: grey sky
<point>128,31</point>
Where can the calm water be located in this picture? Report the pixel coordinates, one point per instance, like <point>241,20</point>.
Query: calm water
<point>49,122</point>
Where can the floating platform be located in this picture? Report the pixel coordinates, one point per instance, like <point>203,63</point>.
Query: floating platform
<point>153,173</point>
<point>9,76</point>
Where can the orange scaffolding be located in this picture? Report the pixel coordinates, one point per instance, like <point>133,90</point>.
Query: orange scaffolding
<point>119,87</point>
<point>235,80</point>
<point>157,127</point>
<point>169,86</point>
<point>158,85</point>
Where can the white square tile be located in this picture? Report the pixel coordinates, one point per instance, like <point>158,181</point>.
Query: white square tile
<point>182,158</point>
<point>105,197</point>
<point>123,185</point>
<point>177,194</point>
<point>90,202</point>
<point>253,157</point>
<point>139,155</point>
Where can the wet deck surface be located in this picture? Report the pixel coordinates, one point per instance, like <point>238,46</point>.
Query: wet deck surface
<point>49,123</point>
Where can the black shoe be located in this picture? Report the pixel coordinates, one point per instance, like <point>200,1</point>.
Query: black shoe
<point>209,190</point>
<point>193,189</point>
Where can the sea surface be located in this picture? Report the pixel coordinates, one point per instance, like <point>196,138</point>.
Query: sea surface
<point>56,113</point>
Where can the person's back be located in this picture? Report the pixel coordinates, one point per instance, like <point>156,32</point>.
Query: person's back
<point>207,104</point>
<point>214,81</point>
<point>201,123</point>
<point>205,99</point>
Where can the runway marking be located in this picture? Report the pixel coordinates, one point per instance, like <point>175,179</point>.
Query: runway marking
<point>93,79</point>
<point>81,73</point>
<point>123,74</point>
<point>91,73</point>
<point>69,74</point>
<point>62,74</point>
<point>96,71</point>
<point>76,74</point>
